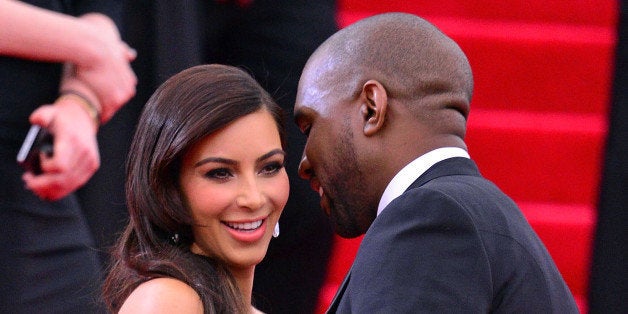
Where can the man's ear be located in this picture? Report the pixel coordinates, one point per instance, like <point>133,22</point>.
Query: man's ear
<point>373,107</point>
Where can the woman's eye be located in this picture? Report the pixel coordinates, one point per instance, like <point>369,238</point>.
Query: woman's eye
<point>220,173</point>
<point>272,168</point>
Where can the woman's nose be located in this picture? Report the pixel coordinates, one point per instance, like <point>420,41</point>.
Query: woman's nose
<point>250,195</point>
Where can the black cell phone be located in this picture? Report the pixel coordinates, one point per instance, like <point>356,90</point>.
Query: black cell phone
<point>38,140</point>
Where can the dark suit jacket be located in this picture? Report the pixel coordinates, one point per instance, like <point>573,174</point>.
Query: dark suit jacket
<point>453,243</point>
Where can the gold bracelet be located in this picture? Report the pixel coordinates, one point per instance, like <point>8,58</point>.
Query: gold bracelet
<point>91,109</point>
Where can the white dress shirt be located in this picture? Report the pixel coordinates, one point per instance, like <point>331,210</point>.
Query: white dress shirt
<point>412,171</point>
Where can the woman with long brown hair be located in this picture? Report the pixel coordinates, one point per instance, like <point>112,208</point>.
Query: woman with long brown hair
<point>205,185</point>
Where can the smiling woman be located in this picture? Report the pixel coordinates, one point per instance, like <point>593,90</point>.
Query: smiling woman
<point>235,186</point>
<point>206,185</point>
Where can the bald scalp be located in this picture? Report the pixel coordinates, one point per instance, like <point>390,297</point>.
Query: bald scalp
<point>415,62</point>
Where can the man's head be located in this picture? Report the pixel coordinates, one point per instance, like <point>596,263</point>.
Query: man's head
<point>373,97</point>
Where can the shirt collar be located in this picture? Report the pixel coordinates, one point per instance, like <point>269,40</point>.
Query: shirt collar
<point>412,171</point>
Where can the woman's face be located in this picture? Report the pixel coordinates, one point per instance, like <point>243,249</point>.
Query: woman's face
<point>236,186</point>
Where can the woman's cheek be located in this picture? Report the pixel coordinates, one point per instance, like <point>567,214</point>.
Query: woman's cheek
<point>283,189</point>
<point>210,200</point>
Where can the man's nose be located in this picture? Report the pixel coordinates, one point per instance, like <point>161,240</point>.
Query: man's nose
<point>305,169</point>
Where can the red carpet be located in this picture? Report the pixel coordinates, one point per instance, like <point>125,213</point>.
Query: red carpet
<point>543,74</point>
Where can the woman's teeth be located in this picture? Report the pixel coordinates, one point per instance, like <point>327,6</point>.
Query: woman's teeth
<point>246,226</point>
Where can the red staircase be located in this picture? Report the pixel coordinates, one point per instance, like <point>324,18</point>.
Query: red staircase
<point>543,73</point>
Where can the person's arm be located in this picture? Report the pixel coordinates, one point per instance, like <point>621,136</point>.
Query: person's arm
<point>112,80</point>
<point>90,44</point>
<point>75,149</point>
<point>97,68</point>
<point>30,32</point>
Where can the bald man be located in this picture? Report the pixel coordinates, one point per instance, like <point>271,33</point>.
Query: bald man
<point>384,103</point>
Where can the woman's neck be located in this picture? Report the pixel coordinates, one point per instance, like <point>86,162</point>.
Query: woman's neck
<point>244,280</point>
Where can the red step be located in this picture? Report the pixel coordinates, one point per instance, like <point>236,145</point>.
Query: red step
<point>535,67</point>
<point>343,253</point>
<point>567,232</point>
<point>539,157</point>
<point>582,12</point>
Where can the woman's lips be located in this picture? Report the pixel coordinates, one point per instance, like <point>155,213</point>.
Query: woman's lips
<point>245,226</point>
<point>250,231</point>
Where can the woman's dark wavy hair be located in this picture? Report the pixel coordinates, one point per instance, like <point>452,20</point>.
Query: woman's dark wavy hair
<point>187,107</point>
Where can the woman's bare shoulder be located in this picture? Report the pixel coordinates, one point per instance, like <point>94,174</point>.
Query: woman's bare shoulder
<point>163,295</point>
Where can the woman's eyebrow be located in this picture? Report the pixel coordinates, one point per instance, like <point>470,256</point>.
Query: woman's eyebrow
<point>227,161</point>
<point>271,153</point>
<point>216,160</point>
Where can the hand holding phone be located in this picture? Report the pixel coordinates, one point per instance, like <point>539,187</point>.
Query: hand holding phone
<point>37,141</point>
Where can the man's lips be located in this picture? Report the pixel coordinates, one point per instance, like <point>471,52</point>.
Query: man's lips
<point>324,203</point>
<point>316,187</point>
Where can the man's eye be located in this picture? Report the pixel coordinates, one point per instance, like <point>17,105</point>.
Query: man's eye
<point>272,168</point>
<point>220,173</point>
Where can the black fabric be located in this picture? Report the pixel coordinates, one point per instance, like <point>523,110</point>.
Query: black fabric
<point>271,39</point>
<point>48,258</point>
<point>609,273</point>
<point>453,242</point>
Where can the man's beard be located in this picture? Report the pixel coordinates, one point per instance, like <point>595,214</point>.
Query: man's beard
<point>348,197</point>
